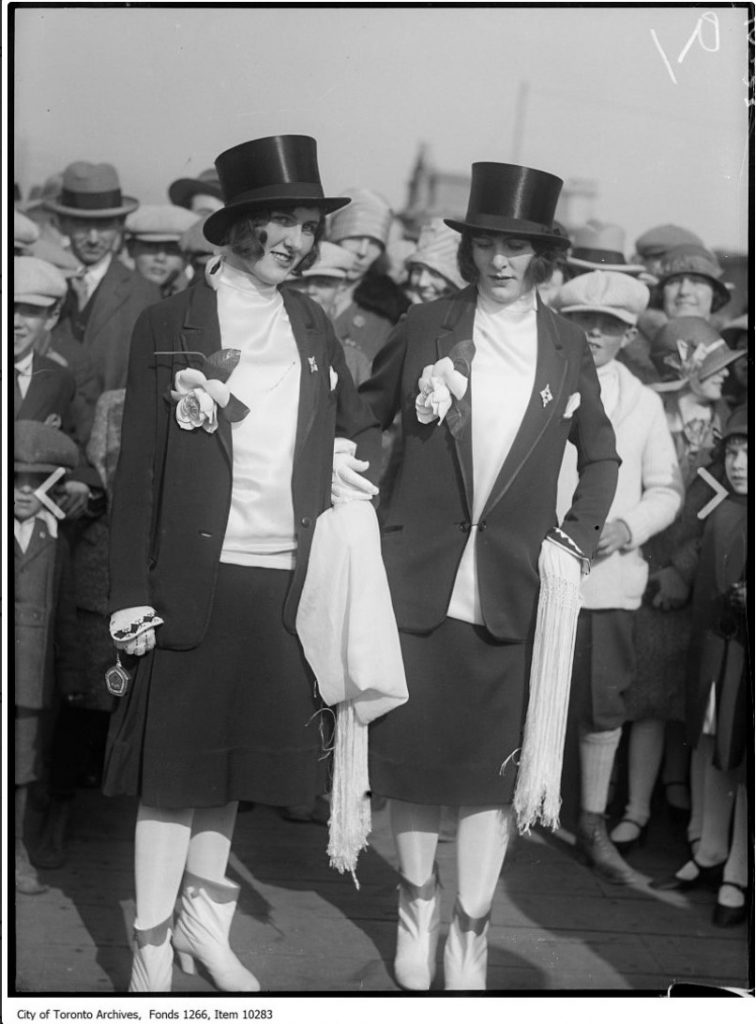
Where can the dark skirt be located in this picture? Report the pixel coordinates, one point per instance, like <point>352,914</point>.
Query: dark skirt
<point>235,718</point>
<point>662,640</point>
<point>463,720</point>
<point>603,668</point>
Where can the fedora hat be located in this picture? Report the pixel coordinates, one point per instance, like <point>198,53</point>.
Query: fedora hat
<point>183,190</point>
<point>600,246</point>
<point>276,169</point>
<point>91,190</point>
<point>517,200</point>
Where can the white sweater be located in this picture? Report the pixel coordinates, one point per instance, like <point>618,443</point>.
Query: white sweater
<point>649,489</point>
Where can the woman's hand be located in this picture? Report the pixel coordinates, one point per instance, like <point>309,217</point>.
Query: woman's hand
<point>347,481</point>
<point>133,629</point>
<point>673,590</point>
<point>614,536</point>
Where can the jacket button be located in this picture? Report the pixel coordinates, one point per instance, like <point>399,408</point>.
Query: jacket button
<point>306,521</point>
<point>482,525</point>
<point>464,527</point>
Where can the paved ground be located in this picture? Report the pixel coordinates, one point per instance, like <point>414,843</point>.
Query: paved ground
<point>304,928</point>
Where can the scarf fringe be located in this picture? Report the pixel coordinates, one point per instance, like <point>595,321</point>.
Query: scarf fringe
<point>350,822</point>
<point>537,797</point>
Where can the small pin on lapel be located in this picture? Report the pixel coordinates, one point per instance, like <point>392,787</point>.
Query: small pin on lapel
<point>546,396</point>
<point>313,364</point>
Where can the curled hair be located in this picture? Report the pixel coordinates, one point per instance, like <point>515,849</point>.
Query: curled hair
<point>246,239</point>
<point>547,257</point>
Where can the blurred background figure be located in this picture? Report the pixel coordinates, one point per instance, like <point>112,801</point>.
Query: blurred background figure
<point>369,303</point>
<point>694,359</point>
<point>433,271</point>
<point>653,245</point>
<point>104,302</point>
<point>690,283</point>
<point>197,250</point>
<point>36,209</point>
<point>202,195</point>
<point>153,234</point>
<point>599,245</point>
<point>735,333</point>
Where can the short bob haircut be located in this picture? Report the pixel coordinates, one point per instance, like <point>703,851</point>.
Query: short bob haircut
<point>547,257</point>
<point>246,239</point>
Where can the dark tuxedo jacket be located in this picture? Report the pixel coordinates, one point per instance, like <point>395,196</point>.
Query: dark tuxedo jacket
<point>51,390</point>
<point>117,302</point>
<point>428,519</point>
<point>172,490</point>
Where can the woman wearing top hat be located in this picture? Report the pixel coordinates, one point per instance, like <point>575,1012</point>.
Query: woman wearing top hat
<point>235,395</point>
<point>491,384</point>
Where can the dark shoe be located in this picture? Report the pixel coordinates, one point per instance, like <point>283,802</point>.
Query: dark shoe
<point>624,846</point>
<point>728,917</point>
<point>705,878</point>
<point>597,850</point>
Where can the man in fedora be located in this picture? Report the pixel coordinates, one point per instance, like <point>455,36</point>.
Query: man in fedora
<point>106,298</point>
<point>202,195</point>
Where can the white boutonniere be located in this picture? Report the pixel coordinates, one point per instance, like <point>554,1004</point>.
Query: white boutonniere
<point>334,377</point>
<point>444,383</point>
<point>312,364</point>
<point>199,395</point>
<point>573,404</point>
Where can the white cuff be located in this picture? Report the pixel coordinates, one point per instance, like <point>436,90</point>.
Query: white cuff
<point>130,623</point>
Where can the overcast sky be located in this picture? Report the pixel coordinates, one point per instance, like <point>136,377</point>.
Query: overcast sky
<point>160,92</point>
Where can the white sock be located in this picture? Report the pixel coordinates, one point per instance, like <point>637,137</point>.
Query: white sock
<point>210,843</point>
<point>161,842</point>
<point>597,751</point>
<point>482,839</point>
<point>719,797</point>
<point>415,828</point>
<point>645,755</point>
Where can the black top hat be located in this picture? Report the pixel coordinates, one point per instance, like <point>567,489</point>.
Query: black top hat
<point>277,169</point>
<point>517,200</point>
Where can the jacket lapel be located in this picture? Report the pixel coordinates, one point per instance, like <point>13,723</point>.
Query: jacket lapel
<point>312,354</point>
<point>551,370</point>
<point>458,326</point>
<point>201,333</point>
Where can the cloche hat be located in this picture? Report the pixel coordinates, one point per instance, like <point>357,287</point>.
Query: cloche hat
<point>513,199</point>
<point>278,168</point>
<point>368,215</point>
<point>91,190</point>
<point>687,347</point>
<point>183,190</point>
<point>437,248</point>
<point>695,259</point>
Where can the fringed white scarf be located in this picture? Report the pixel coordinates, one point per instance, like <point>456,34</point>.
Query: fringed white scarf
<point>537,795</point>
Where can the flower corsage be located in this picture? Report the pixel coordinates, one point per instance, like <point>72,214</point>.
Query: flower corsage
<point>198,394</point>
<point>443,384</point>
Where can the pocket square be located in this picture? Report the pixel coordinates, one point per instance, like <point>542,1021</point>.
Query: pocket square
<point>573,403</point>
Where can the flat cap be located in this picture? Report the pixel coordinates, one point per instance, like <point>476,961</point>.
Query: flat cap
<point>163,223</point>
<point>604,291</point>
<point>38,448</point>
<point>659,240</point>
<point>37,282</point>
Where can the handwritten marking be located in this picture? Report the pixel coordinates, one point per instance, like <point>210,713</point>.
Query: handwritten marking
<point>709,18</point>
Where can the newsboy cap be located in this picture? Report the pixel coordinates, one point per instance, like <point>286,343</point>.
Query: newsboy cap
<point>659,240</point>
<point>39,448</point>
<point>37,282</point>
<point>161,223</point>
<point>604,291</point>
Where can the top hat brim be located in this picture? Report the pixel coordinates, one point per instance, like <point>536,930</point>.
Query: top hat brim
<point>509,226</point>
<point>128,205</point>
<point>215,228</point>
<point>182,191</point>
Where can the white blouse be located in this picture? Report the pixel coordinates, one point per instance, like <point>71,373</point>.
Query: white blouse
<point>501,382</point>
<point>253,319</point>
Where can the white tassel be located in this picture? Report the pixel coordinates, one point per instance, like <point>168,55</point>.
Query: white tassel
<point>538,790</point>
<point>350,822</point>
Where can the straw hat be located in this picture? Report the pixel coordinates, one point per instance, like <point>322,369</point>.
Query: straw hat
<point>600,246</point>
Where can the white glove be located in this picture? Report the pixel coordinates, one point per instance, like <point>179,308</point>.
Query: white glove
<point>133,629</point>
<point>556,563</point>
<point>347,481</point>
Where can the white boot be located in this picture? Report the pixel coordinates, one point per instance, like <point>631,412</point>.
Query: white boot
<point>152,966</point>
<point>417,933</point>
<point>466,951</point>
<point>201,933</point>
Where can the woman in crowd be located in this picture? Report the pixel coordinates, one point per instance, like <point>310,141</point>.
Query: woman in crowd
<point>235,395</point>
<point>470,525</point>
<point>695,360</point>
<point>432,269</point>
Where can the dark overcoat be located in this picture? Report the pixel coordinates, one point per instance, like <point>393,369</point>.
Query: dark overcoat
<point>172,491</point>
<point>428,519</point>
